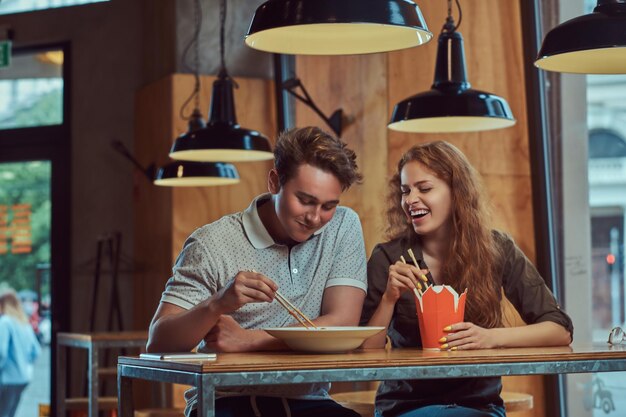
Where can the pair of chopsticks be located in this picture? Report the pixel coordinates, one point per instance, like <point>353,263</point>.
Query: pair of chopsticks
<point>294,311</point>
<point>418,286</point>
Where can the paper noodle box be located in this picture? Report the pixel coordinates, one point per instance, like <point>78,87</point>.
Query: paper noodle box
<point>437,307</point>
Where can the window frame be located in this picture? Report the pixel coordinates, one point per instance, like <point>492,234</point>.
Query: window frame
<point>52,143</point>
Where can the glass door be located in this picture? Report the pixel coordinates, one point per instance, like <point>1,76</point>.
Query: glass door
<point>25,220</point>
<point>35,213</point>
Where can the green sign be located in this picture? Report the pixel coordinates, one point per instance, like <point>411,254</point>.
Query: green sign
<point>5,54</point>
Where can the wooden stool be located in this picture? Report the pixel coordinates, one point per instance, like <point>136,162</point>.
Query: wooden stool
<point>516,401</point>
<point>363,401</point>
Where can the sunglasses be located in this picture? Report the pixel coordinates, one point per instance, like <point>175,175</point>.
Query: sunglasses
<point>616,336</point>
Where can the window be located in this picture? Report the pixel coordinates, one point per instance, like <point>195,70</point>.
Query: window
<point>18,6</point>
<point>31,91</point>
<point>606,123</point>
<point>25,220</point>
<point>35,208</point>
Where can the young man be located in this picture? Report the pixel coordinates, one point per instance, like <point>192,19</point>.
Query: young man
<point>297,239</point>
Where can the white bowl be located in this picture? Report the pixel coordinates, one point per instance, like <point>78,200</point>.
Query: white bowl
<point>323,339</point>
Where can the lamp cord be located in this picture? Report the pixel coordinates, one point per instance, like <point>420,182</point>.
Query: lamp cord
<point>223,73</point>
<point>222,41</point>
<point>195,95</point>
<point>450,26</point>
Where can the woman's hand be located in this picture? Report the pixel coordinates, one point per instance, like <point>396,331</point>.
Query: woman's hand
<point>402,277</point>
<point>466,336</point>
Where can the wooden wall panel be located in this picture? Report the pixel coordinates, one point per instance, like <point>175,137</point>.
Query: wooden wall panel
<point>511,201</point>
<point>153,205</point>
<point>358,85</point>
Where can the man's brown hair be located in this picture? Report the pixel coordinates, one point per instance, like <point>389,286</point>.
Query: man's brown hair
<point>313,146</point>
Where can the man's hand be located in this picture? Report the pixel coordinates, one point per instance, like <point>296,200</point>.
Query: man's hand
<point>228,336</point>
<point>246,287</point>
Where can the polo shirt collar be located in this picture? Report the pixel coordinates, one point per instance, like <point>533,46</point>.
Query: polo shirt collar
<point>255,229</point>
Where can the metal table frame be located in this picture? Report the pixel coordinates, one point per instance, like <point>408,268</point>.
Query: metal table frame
<point>207,382</point>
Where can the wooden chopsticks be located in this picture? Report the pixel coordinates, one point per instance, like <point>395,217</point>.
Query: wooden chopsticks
<point>418,286</point>
<point>294,311</point>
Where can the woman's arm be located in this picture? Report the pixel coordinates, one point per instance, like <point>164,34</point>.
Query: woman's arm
<point>464,336</point>
<point>525,288</point>
<point>382,317</point>
<point>386,283</point>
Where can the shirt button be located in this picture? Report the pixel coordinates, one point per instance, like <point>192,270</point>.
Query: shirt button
<point>295,270</point>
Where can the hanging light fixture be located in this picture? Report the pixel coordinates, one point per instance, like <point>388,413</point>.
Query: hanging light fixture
<point>451,105</point>
<point>196,174</point>
<point>186,173</point>
<point>221,139</point>
<point>591,44</point>
<point>336,27</point>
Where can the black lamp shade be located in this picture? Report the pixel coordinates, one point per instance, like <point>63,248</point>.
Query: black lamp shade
<point>222,142</point>
<point>437,111</point>
<point>197,174</point>
<point>336,27</point>
<point>591,44</point>
<point>451,105</point>
<point>222,139</point>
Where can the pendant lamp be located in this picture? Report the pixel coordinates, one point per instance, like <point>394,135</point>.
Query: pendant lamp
<point>591,44</point>
<point>451,105</point>
<point>184,173</point>
<point>336,27</point>
<point>188,173</point>
<point>196,174</point>
<point>222,139</point>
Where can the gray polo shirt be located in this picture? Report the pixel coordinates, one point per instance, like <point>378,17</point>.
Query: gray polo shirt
<point>215,253</point>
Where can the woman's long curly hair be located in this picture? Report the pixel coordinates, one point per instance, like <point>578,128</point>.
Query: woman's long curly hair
<point>472,251</point>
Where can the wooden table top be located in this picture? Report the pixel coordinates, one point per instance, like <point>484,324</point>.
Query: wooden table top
<point>380,358</point>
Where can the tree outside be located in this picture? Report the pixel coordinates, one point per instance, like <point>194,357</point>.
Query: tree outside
<point>24,189</point>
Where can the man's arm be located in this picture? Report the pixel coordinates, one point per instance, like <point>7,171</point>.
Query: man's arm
<point>174,329</point>
<point>341,306</point>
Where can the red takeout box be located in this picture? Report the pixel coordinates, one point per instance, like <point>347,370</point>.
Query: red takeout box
<point>437,307</point>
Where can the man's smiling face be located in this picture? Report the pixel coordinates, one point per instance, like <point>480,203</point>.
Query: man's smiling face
<point>305,203</point>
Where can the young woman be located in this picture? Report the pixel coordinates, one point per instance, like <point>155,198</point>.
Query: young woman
<point>436,208</point>
<point>19,348</point>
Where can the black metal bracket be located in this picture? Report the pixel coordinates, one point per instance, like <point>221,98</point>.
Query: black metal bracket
<point>149,172</point>
<point>335,121</point>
